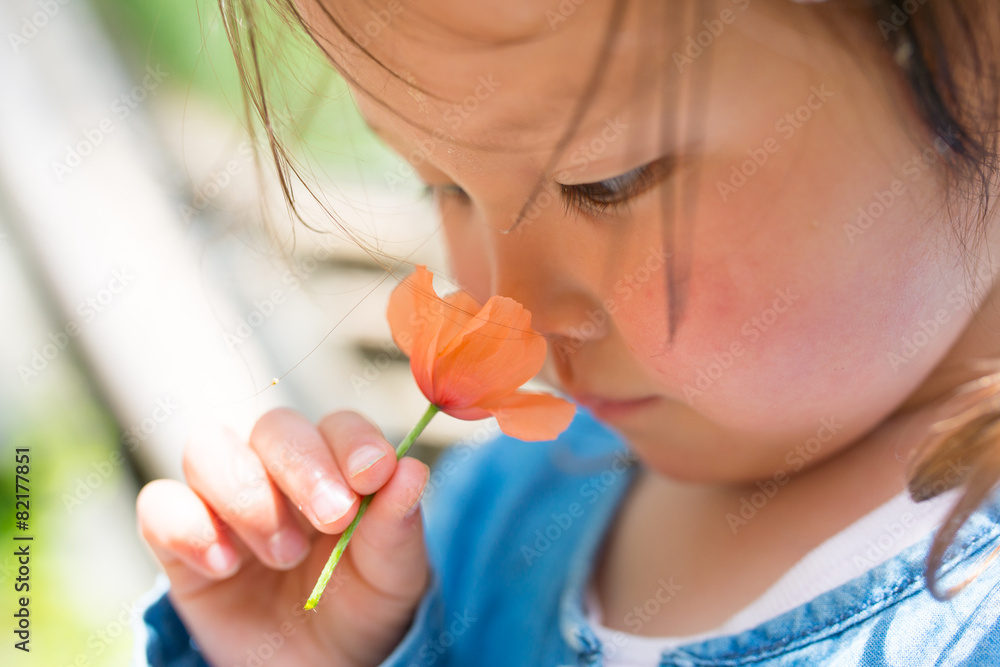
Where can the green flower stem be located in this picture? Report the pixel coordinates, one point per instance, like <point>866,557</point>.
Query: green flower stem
<point>338,550</point>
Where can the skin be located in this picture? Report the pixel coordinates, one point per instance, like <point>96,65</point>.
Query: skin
<point>823,353</point>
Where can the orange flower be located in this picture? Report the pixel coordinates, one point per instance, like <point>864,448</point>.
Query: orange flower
<point>470,360</point>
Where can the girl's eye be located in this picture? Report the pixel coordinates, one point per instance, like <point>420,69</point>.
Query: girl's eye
<point>615,194</point>
<point>446,190</point>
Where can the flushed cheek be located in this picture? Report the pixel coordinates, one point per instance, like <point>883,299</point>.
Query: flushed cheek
<point>720,307</point>
<point>804,353</point>
<point>638,304</point>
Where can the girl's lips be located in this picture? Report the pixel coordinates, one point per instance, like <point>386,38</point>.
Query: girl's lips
<point>608,408</point>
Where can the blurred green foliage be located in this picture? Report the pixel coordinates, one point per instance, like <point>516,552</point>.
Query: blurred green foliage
<point>74,605</point>
<point>309,98</point>
<point>65,431</point>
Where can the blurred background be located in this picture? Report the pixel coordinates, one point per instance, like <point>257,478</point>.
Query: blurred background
<point>152,280</point>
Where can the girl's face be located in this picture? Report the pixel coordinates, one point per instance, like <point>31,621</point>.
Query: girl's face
<point>737,166</point>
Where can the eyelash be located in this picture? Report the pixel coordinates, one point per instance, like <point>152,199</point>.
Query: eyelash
<point>612,195</point>
<point>443,189</point>
<point>615,194</point>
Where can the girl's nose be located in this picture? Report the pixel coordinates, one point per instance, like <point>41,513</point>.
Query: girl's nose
<point>533,267</point>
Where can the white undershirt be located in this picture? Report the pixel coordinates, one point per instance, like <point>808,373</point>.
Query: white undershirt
<point>871,540</point>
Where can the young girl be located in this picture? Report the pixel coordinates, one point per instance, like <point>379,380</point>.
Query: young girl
<point>757,236</point>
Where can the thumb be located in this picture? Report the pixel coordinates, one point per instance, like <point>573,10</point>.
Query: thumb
<point>387,548</point>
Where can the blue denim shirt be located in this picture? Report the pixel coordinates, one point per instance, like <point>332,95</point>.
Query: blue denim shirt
<point>513,528</point>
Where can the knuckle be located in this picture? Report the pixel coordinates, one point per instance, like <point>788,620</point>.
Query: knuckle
<point>346,421</point>
<point>288,456</point>
<point>158,499</point>
<point>147,495</point>
<point>255,527</point>
<point>198,539</point>
<point>250,505</point>
<point>415,467</point>
<point>200,441</point>
<point>331,420</point>
<point>273,418</point>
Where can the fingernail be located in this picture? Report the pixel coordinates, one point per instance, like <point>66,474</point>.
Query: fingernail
<point>220,559</point>
<point>364,458</point>
<point>331,501</point>
<point>287,546</point>
<point>415,506</point>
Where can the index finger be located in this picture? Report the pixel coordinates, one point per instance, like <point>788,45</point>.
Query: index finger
<point>300,461</point>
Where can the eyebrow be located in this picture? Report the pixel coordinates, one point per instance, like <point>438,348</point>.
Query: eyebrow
<point>488,141</point>
<point>512,124</point>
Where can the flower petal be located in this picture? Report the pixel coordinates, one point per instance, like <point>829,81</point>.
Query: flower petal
<point>457,312</point>
<point>423,324</point>
<point>530,416</point>
<point>468,414</point>
<point>406,303</point>
<point>415,318</point>
<point>493,356</point>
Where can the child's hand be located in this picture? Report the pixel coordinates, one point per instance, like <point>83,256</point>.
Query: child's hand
<point>242,500</point>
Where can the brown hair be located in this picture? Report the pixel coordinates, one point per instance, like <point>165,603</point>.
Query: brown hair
<point>960,449</point>
<point>946,55</point>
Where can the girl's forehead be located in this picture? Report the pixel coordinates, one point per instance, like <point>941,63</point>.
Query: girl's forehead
<point>481,22</point>
<point>499,75</point>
